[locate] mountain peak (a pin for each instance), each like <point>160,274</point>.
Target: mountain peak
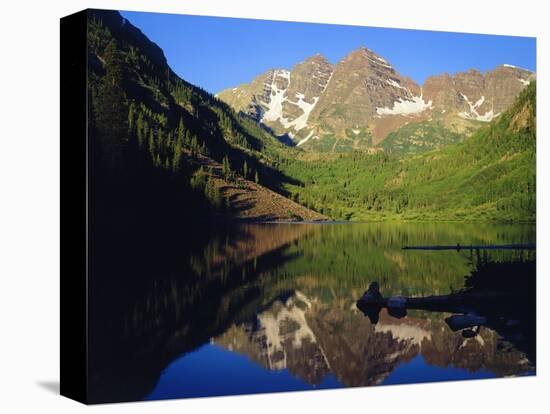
<point>364,50</point>
<point>363,93</point>
<point>364,55</point>
<point>317,57</point>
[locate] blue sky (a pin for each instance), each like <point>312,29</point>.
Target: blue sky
<point>217,53</point>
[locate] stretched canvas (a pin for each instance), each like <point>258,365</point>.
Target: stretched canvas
<point>256,206</point>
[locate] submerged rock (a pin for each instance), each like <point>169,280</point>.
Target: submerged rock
<point>372,294</point>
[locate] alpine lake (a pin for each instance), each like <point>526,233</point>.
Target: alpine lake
<point>271,307</point>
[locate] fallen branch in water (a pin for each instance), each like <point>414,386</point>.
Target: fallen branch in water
<point>461,302</point>
<point>474,247</point>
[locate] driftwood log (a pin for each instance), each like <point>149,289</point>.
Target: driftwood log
<point>474,247</point>
<point>463,302</point>
<point>373,297</point>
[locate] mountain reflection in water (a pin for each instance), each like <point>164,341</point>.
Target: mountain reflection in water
<point>271,307</point>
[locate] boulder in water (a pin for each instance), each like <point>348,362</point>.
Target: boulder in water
<point>372,294</point>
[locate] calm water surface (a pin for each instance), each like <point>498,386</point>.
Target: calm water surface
<point>272,307</point>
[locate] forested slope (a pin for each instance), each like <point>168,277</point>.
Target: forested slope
<point>489,176</point>
<point>153,131</point>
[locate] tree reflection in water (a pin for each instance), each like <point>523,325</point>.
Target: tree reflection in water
<point>284,296</point>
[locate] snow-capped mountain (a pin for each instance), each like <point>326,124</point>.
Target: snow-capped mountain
<point>477,96</point>
<point>282,99</point>
<point>363,98</point>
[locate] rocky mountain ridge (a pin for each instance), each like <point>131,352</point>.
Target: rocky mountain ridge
<point>362,99</point>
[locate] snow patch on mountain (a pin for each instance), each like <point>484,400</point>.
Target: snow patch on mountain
<point>378,61</point>
<point>414,105</point>
<point>275,106</point>
<point>278,96</point>
<point>283,74</point>
<point>395,84</point>
<point>488,116</point>
<point>479,102</point>
<point>328,80</point>
<point>473,114</point>
<point>506,65</point>
<point>306,139</point>
<point>301,122</point>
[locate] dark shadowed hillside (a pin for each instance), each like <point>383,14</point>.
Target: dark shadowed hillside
<point>166,148</point>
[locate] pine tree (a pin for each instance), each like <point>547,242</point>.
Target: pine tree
<point>226,167</point>
<point>198,180</point>
<point>145,133</point>
<point>169,142</point>
<point>256,178</point>
<point>152,145</point>
<point>131,115</point>
<point>179,143</point>
<point>194,146</point>
<point>213,194</point>
<point>245,169</point>
<point>140,130</point>
<point>181,131</point>
<point>176,159</point>
<point>160,141</point>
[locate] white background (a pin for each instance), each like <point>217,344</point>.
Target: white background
<point>29,204</point>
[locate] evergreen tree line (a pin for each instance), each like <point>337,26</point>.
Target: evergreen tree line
<point>128,129</point>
